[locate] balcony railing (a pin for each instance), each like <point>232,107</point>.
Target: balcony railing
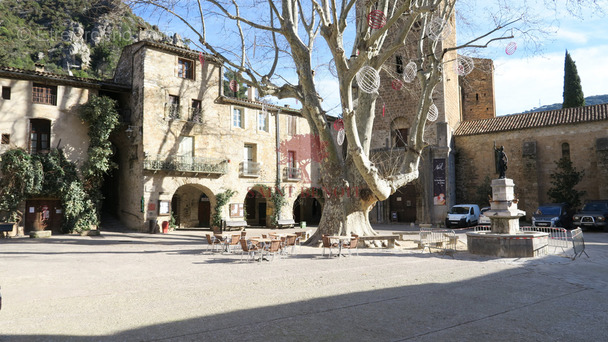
<point>173,111</point>
<point>292,174</point>
<point>249,169</point>
<point>196,115</point>
<point>186,164</point>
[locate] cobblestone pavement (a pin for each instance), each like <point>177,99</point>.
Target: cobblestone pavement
<point>148,287</point>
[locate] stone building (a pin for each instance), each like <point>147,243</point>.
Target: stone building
<point>39,111</point>
<point>533,143</point>
<point>188,142</point>
<point>181,142</point>
<point>428,198</point>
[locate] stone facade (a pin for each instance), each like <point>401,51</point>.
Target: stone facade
<point>191,143</point>
<point>40,111</point>
<point>533,149</point>
<point>477,91</point>
<point>395,110</point>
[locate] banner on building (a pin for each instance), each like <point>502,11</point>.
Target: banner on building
<point>439,181</point>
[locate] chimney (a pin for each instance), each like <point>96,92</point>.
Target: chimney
<point>39,67</point>
<point>251,94</point>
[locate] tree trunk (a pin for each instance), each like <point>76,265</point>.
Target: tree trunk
<point>344,214</point>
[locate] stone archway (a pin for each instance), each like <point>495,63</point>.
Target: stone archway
<point>256,206</point>
<point>308,208</point>
<point>191,206</point>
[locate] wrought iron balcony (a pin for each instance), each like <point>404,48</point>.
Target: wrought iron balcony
<point>249,169</point>
<point>195,115</point>
<point>186,164</point>
<point>292,174</point>
<point>173,111</point>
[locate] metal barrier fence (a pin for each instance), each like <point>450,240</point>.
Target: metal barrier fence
<point>443,239</point>
<point>558,237</point>
<point>578,243</point>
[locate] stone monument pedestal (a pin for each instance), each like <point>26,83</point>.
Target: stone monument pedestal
<point>505,240</point>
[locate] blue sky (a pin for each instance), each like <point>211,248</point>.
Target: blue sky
<point>526,79</point>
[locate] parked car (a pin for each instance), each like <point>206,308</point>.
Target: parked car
<point>593,215</point>
<point>483,219</point>
<point>552,215</point>
<point>463,215</point>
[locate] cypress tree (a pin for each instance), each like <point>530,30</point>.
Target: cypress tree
<point>573,91</point>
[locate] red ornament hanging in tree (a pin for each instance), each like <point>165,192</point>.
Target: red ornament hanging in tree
<point>201,58</point>
<point>396,84</point>
<point>234,86</point>
<point>376,19</point>
<point>338,124</point>
<point>511,47</point>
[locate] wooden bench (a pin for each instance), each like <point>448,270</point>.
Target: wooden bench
<point>285,224</point>
<point>390,239</point>
<point>235,225</point>
<point>6,228</point>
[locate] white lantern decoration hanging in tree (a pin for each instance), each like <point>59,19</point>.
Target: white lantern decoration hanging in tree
<point>340,137</point>
<point>439,29</point>
<point>464,65</point>
<point>368,79</point>
<point>433,113</point>
<point>409,72</point>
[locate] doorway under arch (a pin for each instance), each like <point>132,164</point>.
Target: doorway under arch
<point>308,209</point>
<point>191,206</point>
<point>255,207</point>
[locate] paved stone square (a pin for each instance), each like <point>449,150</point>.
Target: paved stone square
<point>149,287</point>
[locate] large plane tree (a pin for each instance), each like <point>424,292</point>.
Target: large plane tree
<point>275,46</point>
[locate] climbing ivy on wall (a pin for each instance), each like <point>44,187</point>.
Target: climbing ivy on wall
<point>221,200</point>
<point>101,115</point>
<point>52,175</point>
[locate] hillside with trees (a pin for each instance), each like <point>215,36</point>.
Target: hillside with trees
<point>79,37</point>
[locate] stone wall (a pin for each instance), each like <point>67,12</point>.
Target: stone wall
<point>477,90</point>
<point>532,155</point>
<point>214,138</point>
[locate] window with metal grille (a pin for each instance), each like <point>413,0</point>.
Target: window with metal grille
<point>44,94</point>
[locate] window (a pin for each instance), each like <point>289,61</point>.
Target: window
<point>399,64</point>
<point>401,135</point>
<point>40,135</point>
<point>6,139</point>
<point>291,125</point>
<point>185,68</point>
<point>185,152</point>
<point>173,107</point>
<point>196,111</point>
<point>566,151</point>
<point>249,166</point>
<point>238,117</point>
<point>44,94</point>
<point>263,121</point>
<point>6,93</point>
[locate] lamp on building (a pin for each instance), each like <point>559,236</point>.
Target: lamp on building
<point>131,131</point>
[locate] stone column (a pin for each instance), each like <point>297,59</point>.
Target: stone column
<point>504,214</point>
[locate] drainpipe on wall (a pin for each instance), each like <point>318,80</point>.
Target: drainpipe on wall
<point>278,145</point>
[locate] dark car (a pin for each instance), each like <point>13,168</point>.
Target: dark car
<point>593,215</point>
<point>552,215</point>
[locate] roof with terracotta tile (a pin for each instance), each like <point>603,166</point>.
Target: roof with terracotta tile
<point>514,122</point>
<point>43,76</point>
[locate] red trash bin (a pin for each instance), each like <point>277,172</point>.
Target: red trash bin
<point>165,227</point>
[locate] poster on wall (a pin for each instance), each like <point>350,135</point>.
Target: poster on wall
<point>237,210</point>
<point>164,208</point>
<point>439,181</point>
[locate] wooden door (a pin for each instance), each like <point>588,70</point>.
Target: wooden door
<point>204,212</point>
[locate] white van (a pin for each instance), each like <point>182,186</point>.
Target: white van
<point>463,215</point>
